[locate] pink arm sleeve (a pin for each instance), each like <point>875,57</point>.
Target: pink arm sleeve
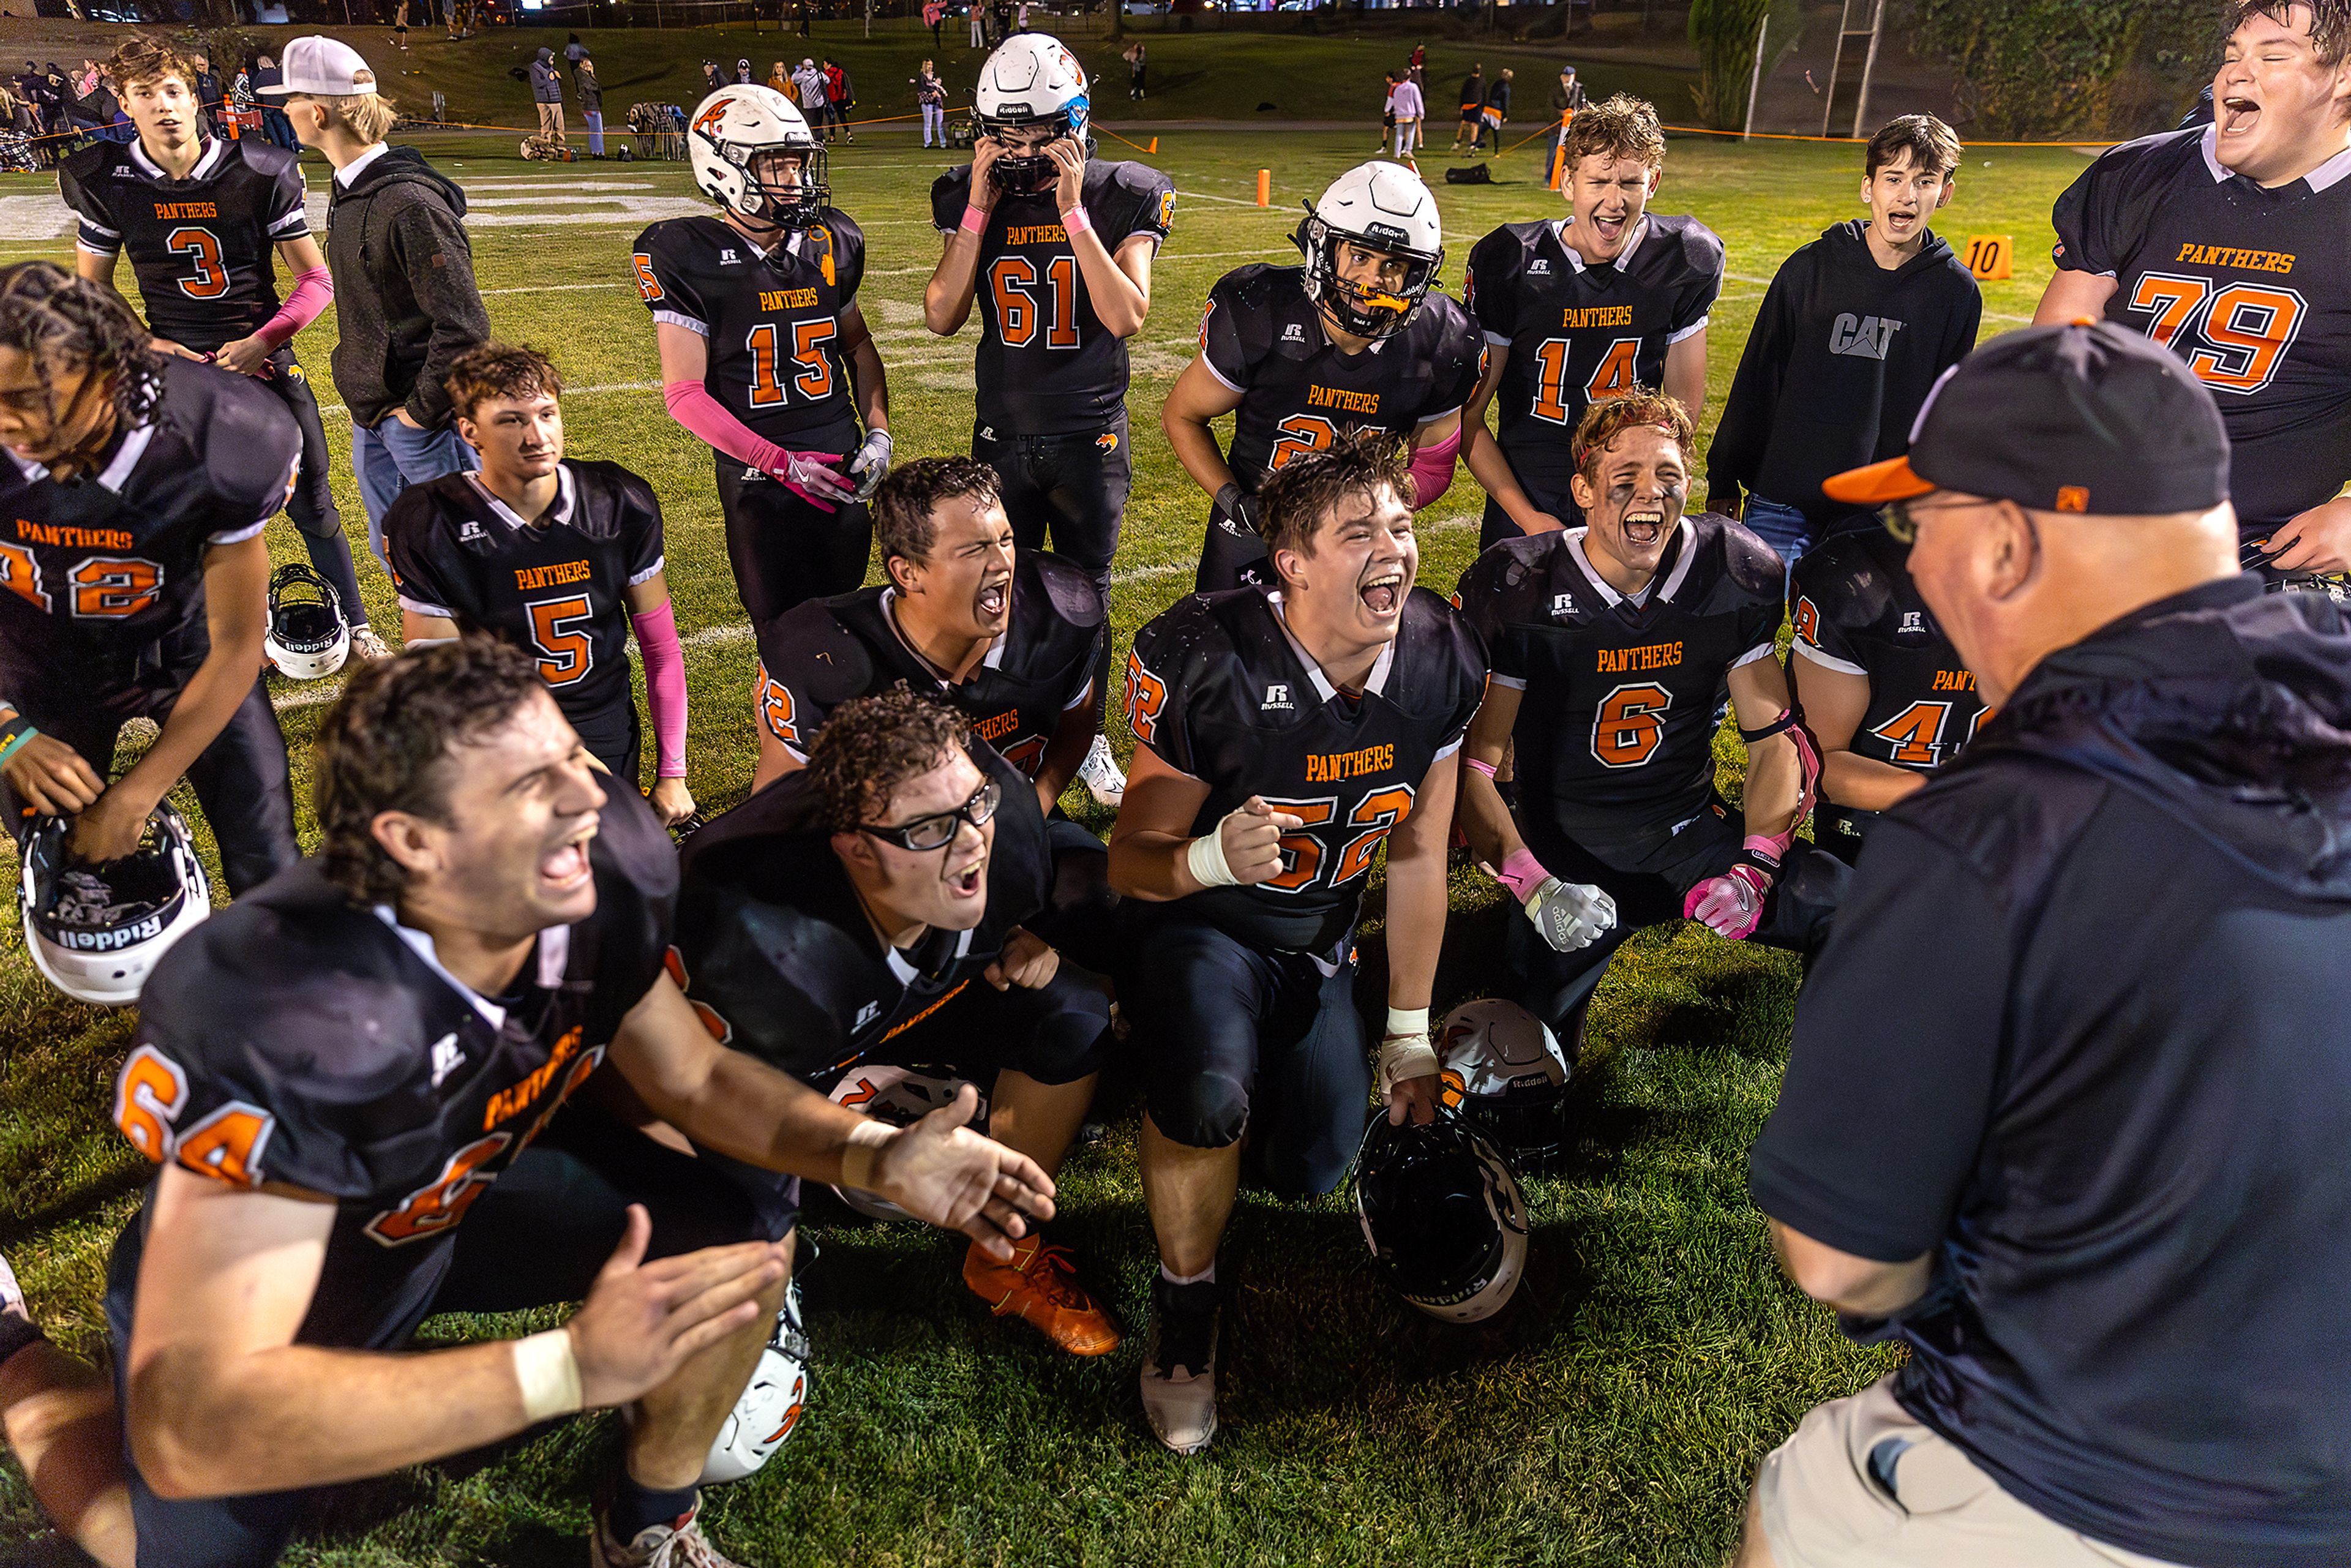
<point>313,291</point>
<point>691,405</point>
<point>664,686</point>
<point>1432,469</point>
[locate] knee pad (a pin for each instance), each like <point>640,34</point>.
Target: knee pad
<point>1206,1110</point>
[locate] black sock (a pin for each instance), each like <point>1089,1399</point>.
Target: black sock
<point>637,1508</point>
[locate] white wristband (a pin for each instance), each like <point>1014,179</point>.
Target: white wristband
<point>548,1376</point>
<point>863,1152</point>
<point>1409,1021</point>
<point>1206,857</point>
<point>1409,1057</point>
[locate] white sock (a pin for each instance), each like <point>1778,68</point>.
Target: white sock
<point>1206,1276</point>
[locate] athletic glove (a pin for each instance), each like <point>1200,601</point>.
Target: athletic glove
<point>1241,507</point>
<point>1731,904</point>
<point>871,464</point>
<point>1570,914</point>
<point>814,477</point>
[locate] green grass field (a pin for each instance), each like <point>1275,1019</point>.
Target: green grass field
<point>1611,1417</point>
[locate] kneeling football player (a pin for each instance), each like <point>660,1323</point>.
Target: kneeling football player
<point>58,1417</point>
<point>561,558</point>
<point>1883,691</point>
<point>1353,338</point>
<point>355,1082</point>
<point>1010,636</point>
<point>1612,646</point>
<point>1281,736</point>
<point>137,580</point>
<point>867,911</point>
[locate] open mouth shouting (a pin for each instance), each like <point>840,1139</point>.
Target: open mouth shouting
<point>1644,528</point>
<point>1901,222</point>
<point>993,602</point>
<point>564,871</point>
<point>2239,114</point>
<point>1383,591</point>
<point>1609,229</point>
<point>967,880</point>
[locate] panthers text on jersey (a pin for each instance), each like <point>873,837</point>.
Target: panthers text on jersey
<point>1047,364</point>
<point>1618,700</point>
<point>1856,611</point>
<point>1222,691</point>
<point>558,590</point>
<point>201,248</point>
<point>1264,339</point>
<point>297,1039</point>
<point>777,954</point>
<point>772,323</point>
<point>1578,333</point>
<point>99,570</point>
<point>2251,287</point>
<point>825,652</point>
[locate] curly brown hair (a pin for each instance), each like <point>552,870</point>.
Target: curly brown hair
<point>385,747</point>
<point>65,323</point>
<point>873,745</point>
<point>138,61</point>
<point>904,505</point>
<point>2330,21</point>
<point>1619,127</point>
<point>1301,493</point>
<point>1610,417</point>
<point>497,369</point>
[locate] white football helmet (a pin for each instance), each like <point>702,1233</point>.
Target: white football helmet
<point>96,931</point>
<point>308,636</point>
<point>729,134</point>
<point>771,1403</point>
<point>900,1096</point>
<point>1380,206</point>
<point>1502,1068</point>
<point>1031,79</point>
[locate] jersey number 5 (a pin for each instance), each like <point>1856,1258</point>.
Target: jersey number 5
<point>1613,375</point>
<point>1012,282</point>
<point>565,655</point>
<point>1302,853</point>
<point>2233,338</point>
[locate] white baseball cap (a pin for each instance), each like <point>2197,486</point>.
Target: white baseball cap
<point>320,66</point>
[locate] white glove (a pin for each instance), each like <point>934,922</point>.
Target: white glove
<point>814,477</point>
<point>1570,914</point>
<point>871,464</point>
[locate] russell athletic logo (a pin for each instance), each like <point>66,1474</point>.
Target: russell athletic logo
<point>1277,696</point>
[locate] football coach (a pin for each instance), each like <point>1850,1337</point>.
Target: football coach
<point>2069,1099</point>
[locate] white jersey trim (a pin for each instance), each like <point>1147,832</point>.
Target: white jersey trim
<point>679,319</point>
<point>1828,661</point>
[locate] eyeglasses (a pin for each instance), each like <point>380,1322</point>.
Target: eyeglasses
<point>1900,518</point>
<point>936,832</point>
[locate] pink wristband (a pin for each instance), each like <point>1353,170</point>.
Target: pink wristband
<point>1075,222</point>
<point>1522,873</point>
<point>973,221</point>
<point>1488,768</point>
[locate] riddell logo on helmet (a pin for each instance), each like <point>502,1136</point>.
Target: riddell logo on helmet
<point>107,941</point>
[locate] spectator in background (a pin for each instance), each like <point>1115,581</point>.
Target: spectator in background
<point>977,18</point>
<point>1567,99</point>
<point>1473,108</point>
<point>274,126</point>
<point>935,13</point>
<point>838,97</point>
<point>1020,17</point>
<point>546,92</point>
<point>810,82</point>
<point>1137,60</point>
<point>742,73</point>
<point>1852,334</point>
<point>399,25</point>
<point>243,104</point>
<point>800,9</point>
<point>1404,101</point>
<point>779,78</point>
<point>1387,116</point>
<point>591,103</point>
<point>1498,109</point>
<point>1000,14</point>
<point>712,80</point>
<point>931,94</point>
<point>574,51</point>
<point>208,92</point>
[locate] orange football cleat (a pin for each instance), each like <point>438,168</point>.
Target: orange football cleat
<point>1040,1287</point>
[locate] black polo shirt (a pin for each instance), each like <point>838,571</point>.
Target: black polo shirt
<point>2081,1034</point>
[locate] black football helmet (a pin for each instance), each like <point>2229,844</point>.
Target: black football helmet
<point>1444,1216</point>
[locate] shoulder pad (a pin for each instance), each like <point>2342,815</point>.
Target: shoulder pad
<point>91,162</point>
<point>1514,569</point>
<point>249,442</point>
<point>846,235</point>
<point>950,193</point>
<point>1701,247</point>
<point>643,855</point>
<point>1140,178</point>
<point>1747,560</point>
<point>1247,286</point>
<point>263,158</point>
<point>1448,658</point>
<point>809,647</point>
<point>1844,579</point>
<point>606,491</point>
<point>1069,590</point>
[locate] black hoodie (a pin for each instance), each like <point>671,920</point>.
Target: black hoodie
<point>1843,355</point>
<point>405,304</point>
<point>2079,1036</point>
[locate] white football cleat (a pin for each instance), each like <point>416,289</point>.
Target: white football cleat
<point>1102,776</point>
<point>1179,1369</point>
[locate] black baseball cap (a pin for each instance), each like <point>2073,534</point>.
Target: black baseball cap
<point>2090,417</point>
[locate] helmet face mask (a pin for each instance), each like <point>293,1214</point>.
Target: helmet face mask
<point>734,141</point>
<point>1377,207</point>
<point>1444,1216</point>
<point>308,636</point>
<point>1033,86</point>
<point>96,932</point>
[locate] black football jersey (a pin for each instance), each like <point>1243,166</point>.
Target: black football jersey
<point>298,1040</point>
<point>1579,333</point>
<point>1219,689</point>
<point>1264,338</point>
<point>1047,364</point>
<point>104,567</point>
<point>1618,702</point>
<point>777,954</point>
<point>825,652</point>
<point>772,323</point>
<point>201,248</point>
<point>2252,288</point>
<point>558,590</point>
<point>1856,609</point>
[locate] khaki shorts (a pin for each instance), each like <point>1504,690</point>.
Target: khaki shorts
<point>1823,1505</point>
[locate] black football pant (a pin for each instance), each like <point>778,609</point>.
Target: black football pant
<point>1071,488</point>
<point>241,779</point>
<point>1557,986</point>
<point>613,737</point>
<point>312,503</point>
<point>784,549</point>
<point>1549,493</point>
<point>537,1238</point>
<point>1081,916</point>
<point>1238,1040</point>
<point>1840,830</point>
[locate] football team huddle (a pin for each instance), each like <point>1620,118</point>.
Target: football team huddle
<point>898,968</point>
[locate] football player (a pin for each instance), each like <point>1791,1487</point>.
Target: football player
<point>1612,646</point>
<point>559,558</point>
<point>2223,242</point>
<point>1281,736</point>
<point>58,1416</point>
<point>765,353</point>
<point>355,1083</point>
<point>1885,695</point>
<point>1580,309</point>
<point>200,218</point>
<point>839,919</point>
<point>1012,637</point>
<point>1056,247</point>
<point>137,487</point>
<point>1351,339</point>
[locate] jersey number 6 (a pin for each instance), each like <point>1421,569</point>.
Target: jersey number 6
<point>1630,724</point>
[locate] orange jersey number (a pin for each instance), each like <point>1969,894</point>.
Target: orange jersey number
<point>565,655</point>
<point>210,279</point>
<point>1630,724</point>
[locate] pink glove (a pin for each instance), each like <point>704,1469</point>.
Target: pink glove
<point>1731,904</point>
<point>804,474</point>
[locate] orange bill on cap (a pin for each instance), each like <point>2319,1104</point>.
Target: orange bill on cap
<point>1892,480</point>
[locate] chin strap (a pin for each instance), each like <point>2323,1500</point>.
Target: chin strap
<point>1808,759</point>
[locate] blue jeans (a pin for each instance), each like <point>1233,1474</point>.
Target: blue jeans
<point>1783,528</point>
<point>390,458</point>
<point>935,123</point>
